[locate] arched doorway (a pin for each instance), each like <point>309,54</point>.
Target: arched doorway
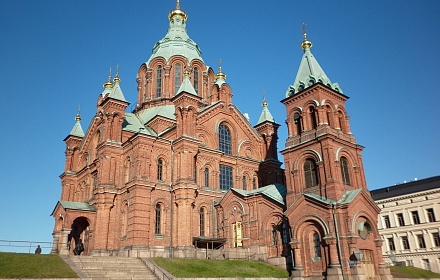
<point>79,232</point>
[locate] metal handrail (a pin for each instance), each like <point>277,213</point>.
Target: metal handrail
<point>24,244</point>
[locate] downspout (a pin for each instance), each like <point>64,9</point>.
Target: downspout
<point>338,241</point>
<point>171,200</point>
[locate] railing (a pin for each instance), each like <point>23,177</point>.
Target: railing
<point>24,246</point>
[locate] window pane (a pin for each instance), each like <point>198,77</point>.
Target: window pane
<point>310,173</point>
<point>177,77</point>
<point>224,139</point>
<point>344,171</point>
<point>159,81</point>
<point>225,177</point>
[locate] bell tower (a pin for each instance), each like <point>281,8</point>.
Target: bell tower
<point>321,154</point>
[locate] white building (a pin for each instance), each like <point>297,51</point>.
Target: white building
<point>409,223</point>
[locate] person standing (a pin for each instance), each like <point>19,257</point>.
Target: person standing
<point>38,250</point>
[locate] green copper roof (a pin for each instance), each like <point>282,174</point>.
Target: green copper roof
<point>309,73</point>
<point>116,91</point>
<point>166,111</point>
<point>275,191</point>
<point>265,115</point>
<point>77,206</point>
<point>133,124</point>
<point>186,86</point>
<point>346,198</point>
<point>176,41</point>
<point>77,129</point>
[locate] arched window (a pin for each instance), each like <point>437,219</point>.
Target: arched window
<point>285,233</point>
<point>254,183</point>
<point>243,180</point>
<point>344,171</point>
<point>297,122</point>
<point>313,120</point>
<point>274,236</point>
<point>225,177</point>
<point>127,167</point>
<point>195,169</point>
<point>329,113</point>
<point>317,245</point>
<point>177,77</point>
<point>341,121</point>
<point>206,177</point>
<point>196,79</point>
<point>202,221</point>
<point>224,135</point>
<point>310,173</point>
<point>160,170</point>
<point>159,81</point>
<point>157,228</point>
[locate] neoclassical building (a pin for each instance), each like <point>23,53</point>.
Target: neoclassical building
<point>187,175</point>
<point>410,223</point>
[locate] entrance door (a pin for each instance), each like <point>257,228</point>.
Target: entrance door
<point>367,264</point>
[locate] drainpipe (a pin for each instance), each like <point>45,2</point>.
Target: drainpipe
<point>172,201</point>
<point>338,241</point>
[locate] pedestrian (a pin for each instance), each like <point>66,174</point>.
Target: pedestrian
<point>38,250</point>
<point>79,247</point>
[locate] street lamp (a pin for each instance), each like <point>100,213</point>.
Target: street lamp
<point>358,255</point>
<point>393,258</point>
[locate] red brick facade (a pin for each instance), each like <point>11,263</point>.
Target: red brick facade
<point>157,182</point>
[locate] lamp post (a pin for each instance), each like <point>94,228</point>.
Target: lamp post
<point>393,258</point>
<point>358,255</point>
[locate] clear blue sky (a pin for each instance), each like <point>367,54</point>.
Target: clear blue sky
<point>55,56</point>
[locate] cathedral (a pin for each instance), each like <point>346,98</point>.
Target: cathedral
<point>186,175</point>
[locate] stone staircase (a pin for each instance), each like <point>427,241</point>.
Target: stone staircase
<point>117,268</point>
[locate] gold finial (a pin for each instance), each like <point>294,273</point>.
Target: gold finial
<point>108,83</point>
<point>220,74</point>
<point>78,116</point>
<point>306,44</point>
<point>264,99</point>
<point>177,12</point>
<point>116,79</point>
<point>186,73</point>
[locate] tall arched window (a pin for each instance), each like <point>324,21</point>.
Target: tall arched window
<point>329,113</point>
<point>159,81</point>
<point>313,119</point>
<point>317,245</point>
<point>344,171</point>
<point>274,236</point>
<point>297,122</point>
<point>254,183</point>
<point>157,227</point>
<point>310,173</point>
<point>207,177</point>
<point>244,182</point>
<point>202,221</point>
<point>341,121</point>
<point>224,135</point>
<point>177,77</point>
<point>196,79</point>
<point>127,167</point>
<point>160,170</point>
<point>285,233</point>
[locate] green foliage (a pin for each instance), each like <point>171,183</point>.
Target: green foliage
<point>14,265</point>
<point>411,272</point>
<point>187,268</point>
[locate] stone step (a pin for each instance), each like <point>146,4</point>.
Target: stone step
<point>117,268</point>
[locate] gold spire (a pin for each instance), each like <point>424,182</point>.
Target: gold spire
<point>108,83</point>
<point>220,74</point>
<point>264,104</point>
<point>116,79</point>
<point>177,12</point>
<point>78,116</point>
<point>306,44</point>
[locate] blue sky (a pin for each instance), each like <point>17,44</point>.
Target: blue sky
<point>55,56</point>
